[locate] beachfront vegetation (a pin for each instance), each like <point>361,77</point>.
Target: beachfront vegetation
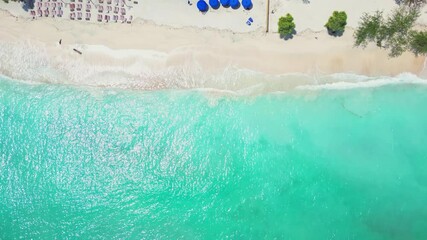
<point>418,43</point>
<point>336,23</point>
<point>286,26</point>
<point>392,33</point>
<point>370,30</point>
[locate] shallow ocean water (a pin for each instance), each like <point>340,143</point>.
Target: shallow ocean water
<point>184,164</point>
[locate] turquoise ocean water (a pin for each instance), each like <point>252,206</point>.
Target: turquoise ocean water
<point>179,164</point>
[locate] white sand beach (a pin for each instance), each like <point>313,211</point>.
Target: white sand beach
<point>169,36</point>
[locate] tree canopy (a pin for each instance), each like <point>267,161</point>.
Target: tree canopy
<point>286,25</point>
<point>392,33</point>
<point>336,23</point>
<point>418,43</point>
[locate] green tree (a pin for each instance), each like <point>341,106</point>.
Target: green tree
<point>397,29</point>
<point>336,23</point>
<point>286,25</point>
<point>418,43</point>
<point>370,29</point>
<point>391,33</point>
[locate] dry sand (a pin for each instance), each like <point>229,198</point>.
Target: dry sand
<point>216,46</point>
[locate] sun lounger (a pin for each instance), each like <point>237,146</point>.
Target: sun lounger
<point>53,13</point>
<point>72,16</point>
<point>99,17</point>
<point>79,16</point>
<point>108,1</point>
<point>79,7</point>
<point>72,6</point>
<point>123,11</point>
<point>115,18</point>
<point>116,10</point>
<point>87,16</point>
<point>46,13</point>
<point>109,9</point>
<point>88,7</point>
<point>100,9</point>
<point>130,19</point>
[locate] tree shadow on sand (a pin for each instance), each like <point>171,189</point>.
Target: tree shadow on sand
<point>288,36</point>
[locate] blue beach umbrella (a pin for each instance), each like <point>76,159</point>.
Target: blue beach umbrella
<point>214,4</point>
<point>225,3</point>
<point>202,6</point>
<point>247,4</point>
<point>234,4</point>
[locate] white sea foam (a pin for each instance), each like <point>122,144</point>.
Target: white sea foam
<point>366,82</point>
<point>100,66</point>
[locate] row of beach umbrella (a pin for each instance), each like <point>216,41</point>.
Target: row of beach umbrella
<point>215,4</point>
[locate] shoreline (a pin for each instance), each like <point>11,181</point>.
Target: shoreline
<point>169,52</point>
